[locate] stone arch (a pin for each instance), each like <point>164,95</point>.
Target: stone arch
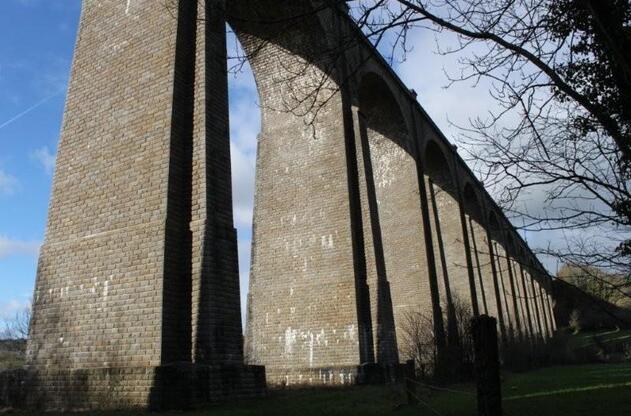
<point>290,50</point>
<point>371,72</point>
<point>391,213</point>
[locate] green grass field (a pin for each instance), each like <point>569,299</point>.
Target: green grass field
<point>593,390</point>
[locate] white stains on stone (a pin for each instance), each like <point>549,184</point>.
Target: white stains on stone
<point>116,48</point>
<point>327,241</point>
<point>290,340</point>
<point>61,340</point>
<point>106,290</point>
<point>310,350</point>
<point>350,333</point>
<point>128,7</point>
<point>387,158</point>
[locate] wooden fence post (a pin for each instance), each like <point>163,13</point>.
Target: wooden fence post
<point>410,378</point>
<point>487,366</point>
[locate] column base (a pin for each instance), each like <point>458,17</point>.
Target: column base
<point>335,376</point>
<point>179,386</point>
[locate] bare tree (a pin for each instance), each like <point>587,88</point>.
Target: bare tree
<point>17,327</point>
<point>417,340</point>
<point>560,72</point>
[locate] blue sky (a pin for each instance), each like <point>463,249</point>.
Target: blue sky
<point>36,44</point>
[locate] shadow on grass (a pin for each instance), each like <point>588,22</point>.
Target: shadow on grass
<point>586,390</point>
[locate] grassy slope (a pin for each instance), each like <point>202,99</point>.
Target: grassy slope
<point>602,389</point>
<point>578,391</point>
<point>586,339</point>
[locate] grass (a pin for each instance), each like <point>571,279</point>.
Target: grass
<point>602,389</point>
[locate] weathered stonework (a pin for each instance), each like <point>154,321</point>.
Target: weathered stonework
<point>356,226</point>
<point>364,214</point>
<point>137,295</point>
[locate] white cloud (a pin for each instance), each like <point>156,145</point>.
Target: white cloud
<point>8,183</point>
<point>242,186</point>
<point>46,158</point>
<point>10,247</point>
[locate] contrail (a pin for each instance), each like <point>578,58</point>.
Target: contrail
<point>28,110</point>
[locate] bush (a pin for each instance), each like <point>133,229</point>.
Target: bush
<point>575,321</point>
<point>418,342</point>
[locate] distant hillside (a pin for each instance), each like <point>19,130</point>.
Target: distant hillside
<point>12,353</point>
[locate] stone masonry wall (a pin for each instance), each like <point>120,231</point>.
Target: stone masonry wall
<point>303,313</point>
<point>99,295</point>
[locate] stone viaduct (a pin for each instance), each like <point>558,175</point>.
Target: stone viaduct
<point>364,212</point>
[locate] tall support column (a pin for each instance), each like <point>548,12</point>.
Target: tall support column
<point>113,285</point>
<point>310,314</point>
<point>129,301</point>
<point>478,266</point>
<point>544,312</point>
<point>515,297</point>
<point>465,236</point>
<point>549,301</point>
<point>535,302</point>
<point>384,334</point>
<point>453,337</point>
<point>526,298</point>
<point>439,327</point>
<point>496,287</point>
<point>216,315</point>
<point>544,302</point>
<point>504,289</point>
